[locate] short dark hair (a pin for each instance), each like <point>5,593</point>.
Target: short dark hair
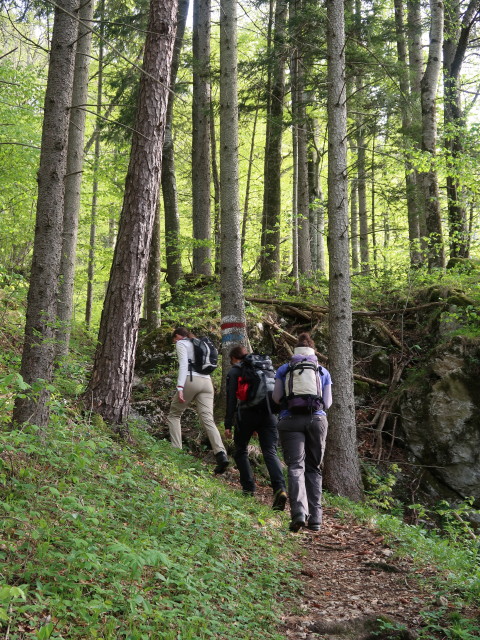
<point>182,331</point>
<point>238,352</point>
<point>305,340</point>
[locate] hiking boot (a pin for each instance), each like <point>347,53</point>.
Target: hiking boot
<point>222,462</point>
<point>279,500</point>
<point>314,526</point>
<point>297,523</point>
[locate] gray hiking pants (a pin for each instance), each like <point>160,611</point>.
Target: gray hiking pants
<point>303,443</point>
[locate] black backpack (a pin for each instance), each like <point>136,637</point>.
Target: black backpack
<point>205,356</point>
<point>256,380</point>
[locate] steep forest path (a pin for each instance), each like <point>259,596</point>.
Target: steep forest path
<point>351,577</point>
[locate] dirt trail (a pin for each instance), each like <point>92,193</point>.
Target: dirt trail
<point>350,578</point>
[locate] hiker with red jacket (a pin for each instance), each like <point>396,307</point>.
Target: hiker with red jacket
<point>303,389</point>
<point>247,415</point>
<point>194,387</point>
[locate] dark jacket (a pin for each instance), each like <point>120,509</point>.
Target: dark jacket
<point>234,409</point>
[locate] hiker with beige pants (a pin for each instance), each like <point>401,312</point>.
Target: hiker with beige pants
<point>194,387</point>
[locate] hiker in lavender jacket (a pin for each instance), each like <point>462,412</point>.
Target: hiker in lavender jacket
<point>302,434</point>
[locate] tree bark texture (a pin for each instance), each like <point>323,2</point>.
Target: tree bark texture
<point>342,468</point>
<point>73,180</point>
<point>303,205</point>
<point>354,230</point>
<point>232,301</point>
<point>317,216</point>
<point>270,264</point>
<point>362,190</point>
<point>109,389</point>
<point>39,344</point>
<point>173,255</point>
<point>96,164</point>
<point>202,258</point>
<point>152,309</point>
<point>457,35</point>
<point>406,112</point>
<point>429,178</point>
<point>415,65</point>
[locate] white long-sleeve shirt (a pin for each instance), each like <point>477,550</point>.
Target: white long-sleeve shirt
<point>185,353</point>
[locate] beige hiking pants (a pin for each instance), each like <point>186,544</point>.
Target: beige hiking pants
<point>200,391</point>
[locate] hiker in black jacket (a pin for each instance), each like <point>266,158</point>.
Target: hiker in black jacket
<point>246,420</point>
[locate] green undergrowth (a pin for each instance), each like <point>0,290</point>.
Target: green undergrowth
<point>100,539</point>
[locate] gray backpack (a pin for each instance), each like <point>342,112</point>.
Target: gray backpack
<point>303,385</point>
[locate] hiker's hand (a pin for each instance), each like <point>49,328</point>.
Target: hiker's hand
<point>180,395</point>
<point>228,433</point>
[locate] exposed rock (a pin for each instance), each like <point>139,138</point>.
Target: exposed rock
<point>363,628</point>
<point>440,414</point>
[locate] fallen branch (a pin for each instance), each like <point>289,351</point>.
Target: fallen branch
<point>322,310</point>
<point>287,337</point>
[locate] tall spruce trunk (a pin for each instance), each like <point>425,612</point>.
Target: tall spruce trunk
<point>429,178</point>
<point>40,327</point>
<point>152,307</point>
<point>270,264</point>
<point>406,113</point>
<point>303,204</point>
<point>96,166</point>
<point>73,181</point>
<point>173,256</point>
<point>415,66</point>
<point>232,301</point>
<point>108,391</point>
<point>317,215</point>
<point>342,468</point>
<point>201,210</point>
<point>457,36</point>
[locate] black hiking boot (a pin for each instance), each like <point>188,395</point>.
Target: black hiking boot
<point>297,523</point>
<point>279,500</point>
<point>222,463</point>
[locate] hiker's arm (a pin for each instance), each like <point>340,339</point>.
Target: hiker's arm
<point>278,391</point>
<point>327,396</point>
<point>182,356</point>
<point>231,387</point>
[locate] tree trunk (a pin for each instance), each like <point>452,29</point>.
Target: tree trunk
<point>96,164</point>
<point>152,288</point>
<point>295,270</point>
<point>108,391</point>
<point>270,265</point>
<point>406,112</point>
<point>354,230</point>
<point>216,188</point>
<point>342,468</point>
<point>232,301</point>
<point>304,257</point>
<point>454,48</point>
<point>73,181</point>
<point>202,263</point>
<point>362,191</point>
<point>415,65</point>
<point>317,217</point>
<point>173,254</point>
<point>39,346</point>
<point>429,178</point>
<point>246,203</point>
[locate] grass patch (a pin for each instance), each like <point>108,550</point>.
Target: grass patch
<point>105,540</point>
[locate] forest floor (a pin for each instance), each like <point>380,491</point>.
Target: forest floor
<point>351,578</point>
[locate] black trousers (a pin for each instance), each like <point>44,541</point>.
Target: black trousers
<point>265,424</point>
